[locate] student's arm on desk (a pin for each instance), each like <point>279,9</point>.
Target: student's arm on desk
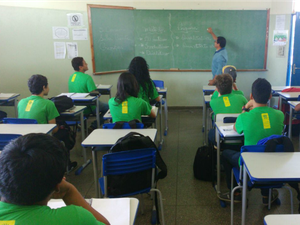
<point>157,99</point>
<point>152,114</point>
<point>71,196</point>
<point>53,121</point>
<point>297,107</point>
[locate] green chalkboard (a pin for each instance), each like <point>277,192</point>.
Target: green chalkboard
<point>177,39</point>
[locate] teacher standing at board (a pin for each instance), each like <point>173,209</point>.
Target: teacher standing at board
<point>220,57</point>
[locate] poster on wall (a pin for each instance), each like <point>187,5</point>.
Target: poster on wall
<point>79,34</point>
<point>280,37</point>
<point>60,32</point>
<point>75,19</point>
<point>59,50</point>
<point>72,48</point>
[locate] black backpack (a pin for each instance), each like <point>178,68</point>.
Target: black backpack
<point>203,163</point>
<point>62,103</point>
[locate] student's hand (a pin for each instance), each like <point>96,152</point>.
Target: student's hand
<point>234,87</point>
<point>248,106</point>
<point>209,30</point>
<point>297,107</point>
<point>212,82</point>
<point>62,189</point>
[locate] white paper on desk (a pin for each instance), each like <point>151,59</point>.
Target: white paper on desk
<point>79,95</point>
<point>116,211</point>
<point>56,203</point>
<point>72,48</point>
<point>6,95</point>
<point>67,94</point>
<point>59,50</point>
<point>228,131</point>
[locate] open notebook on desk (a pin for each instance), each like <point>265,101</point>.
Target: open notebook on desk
<point>75,95</point>
<point>116,211</point>
<point>107,115</point>
<point>228,131</point>
<point>6,95</point>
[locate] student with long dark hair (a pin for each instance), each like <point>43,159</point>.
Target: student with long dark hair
<point>139,68</point>
<point>126,106</point>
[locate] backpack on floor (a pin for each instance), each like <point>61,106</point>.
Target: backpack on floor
<point>203,163</point>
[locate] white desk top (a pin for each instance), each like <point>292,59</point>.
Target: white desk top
<point>8,96</point>
<point>226,130</point>
<point>107,115</point>
<point>209,88</point>
<point>23,129</point>
<point>294,103</point>
<point>290,219</point>
<point>75,98</point>
<point>134,203</point>
<point>104,86</point>
<point>108,137</point>
<point>162,90</point>
<point>272,166</point>
<point>207,98</point>
<point>288,95</point>
<point>73,111</point>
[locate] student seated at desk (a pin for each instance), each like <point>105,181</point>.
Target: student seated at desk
<point>139,68</point>
<point>226,102</point>
<point>126,106</point>
<point>79,82</point>
<point>40,109</point>
<point>231,70</point>
<point>31,173</point>
<point>260,122</point>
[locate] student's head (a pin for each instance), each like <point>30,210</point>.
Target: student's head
<point>31,167</point>
<point>261,91</point>
<point>127,86</point>
<point>79,64</point>
<point>38,83</point>
<point>139,68</point>
<point>224,84</point>
<point>231,70</point>
<point>221,41</point>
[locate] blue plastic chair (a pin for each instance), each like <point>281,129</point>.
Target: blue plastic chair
<point>125,126</point>
<point>237,175</point>
<point>160,84</point>
<point>6,138</point>
<point>132,161</point>
<point>19,121</point>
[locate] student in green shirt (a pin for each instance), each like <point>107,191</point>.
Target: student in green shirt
<point>40,109</point>
<point>260,122</point>
<point>126,106</point>
<point>226,102</point>
<point>139,68</point>
<point>79,82</point>
<point>31,173</point>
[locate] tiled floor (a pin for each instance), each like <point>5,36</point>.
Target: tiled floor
<point>187,201</point>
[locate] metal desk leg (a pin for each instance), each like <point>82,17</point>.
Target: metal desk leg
<point>16,108</point>
<point>290,122</point>
<point>218,161</point>
<point>160,128</point>
<point>97,113</point>
<point>244,197</point>
<point>166,117</point>
<point>204,119</point>
<point>95,168</point>
<point>280,102</point>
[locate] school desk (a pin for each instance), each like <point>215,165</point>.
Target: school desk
<point>268,167</point>
<point>72,114</point>
<point>281,219</point>
<point>9,99</point>
<point>86,100</point>
<point>110,208</point>
<point>104,89</point>
<point>107,138</point>
<point>24,129</point>
<point>163,92</point>
<point>224,131</point>
<point>287,96</point>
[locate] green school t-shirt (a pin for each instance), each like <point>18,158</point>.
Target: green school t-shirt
<point>216,93</point>
<point>230,103</point>
<point>81,83</point>
<point>259,123</point>
<point>11,214</point>
<point>132,108</point>
<point>38,108</point>
<point>148,96</point>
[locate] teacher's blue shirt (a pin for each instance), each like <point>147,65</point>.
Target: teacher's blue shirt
<point>219,60</point>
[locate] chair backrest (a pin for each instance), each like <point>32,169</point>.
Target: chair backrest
<point>125,126</point>
<point>227,117</point>
<point>19,121</point>
<point>259,148</point>
<point>159,83</point>
<point>6,138</point>
<point>128,162</point>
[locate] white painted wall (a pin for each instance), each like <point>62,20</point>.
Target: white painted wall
<point>27,47</point>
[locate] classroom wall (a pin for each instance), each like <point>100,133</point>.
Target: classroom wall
<point>27,47</point>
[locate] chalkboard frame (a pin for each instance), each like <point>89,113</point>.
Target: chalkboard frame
<point>166,70</point>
